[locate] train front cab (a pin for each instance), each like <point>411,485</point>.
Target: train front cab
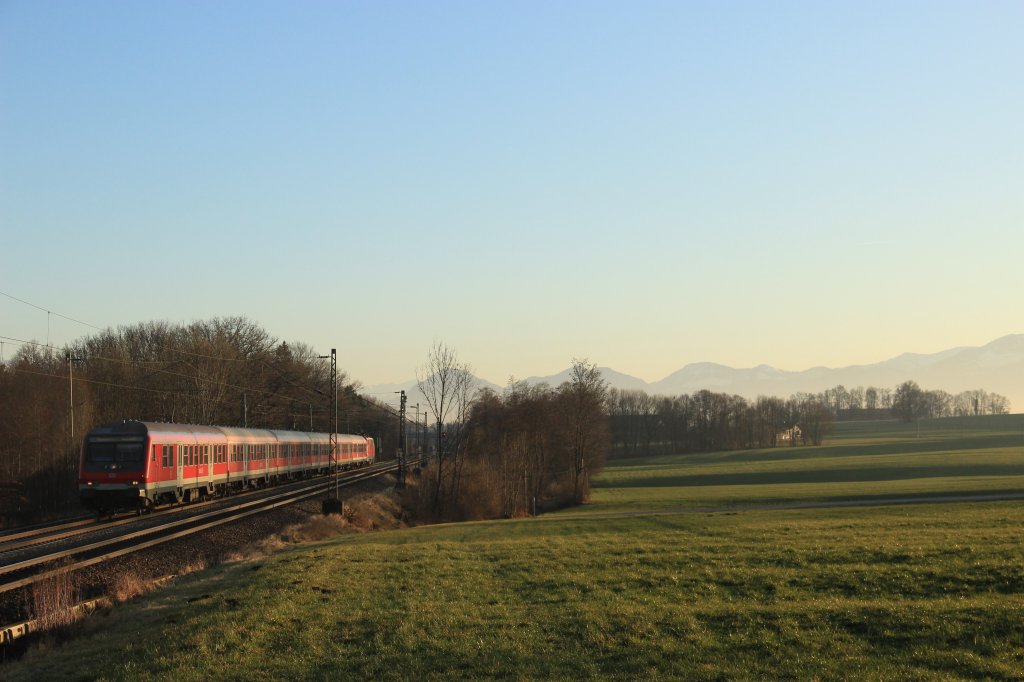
<point>112,467</point>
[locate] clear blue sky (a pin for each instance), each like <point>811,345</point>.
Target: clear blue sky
<point>644,184</point>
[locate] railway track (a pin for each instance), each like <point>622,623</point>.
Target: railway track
<point>33,555</point>
<point>52,532</point>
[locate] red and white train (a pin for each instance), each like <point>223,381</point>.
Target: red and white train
<point>136,465</point>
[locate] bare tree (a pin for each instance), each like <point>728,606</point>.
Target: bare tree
<point>446,385</point>
<point>584,397</point>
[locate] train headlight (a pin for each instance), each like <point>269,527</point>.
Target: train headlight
<point>89,483</point>
<point>135,482</point>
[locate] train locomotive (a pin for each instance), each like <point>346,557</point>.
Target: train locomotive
<point>138,465</point>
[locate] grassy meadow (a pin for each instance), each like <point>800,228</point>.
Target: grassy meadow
<point>922,591</point>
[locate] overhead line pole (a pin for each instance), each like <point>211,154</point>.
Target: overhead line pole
<point>334,433</point>
<point>400,483</point>
<point>334,505</point>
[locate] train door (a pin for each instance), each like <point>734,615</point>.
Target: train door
<point>179,467</point>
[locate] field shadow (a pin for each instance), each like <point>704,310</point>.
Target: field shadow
<point>930,445</point>
<point>819,476</point>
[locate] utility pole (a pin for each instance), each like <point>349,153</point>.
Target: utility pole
<point>401,443</point>
<point>415,428</point>
<point>245,412</point>
<point>71,394</point>
<point>423,441</point>
<point>334,433</point>
<point>332,505</point>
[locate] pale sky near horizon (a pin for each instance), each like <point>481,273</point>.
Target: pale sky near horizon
<point>643,184</point>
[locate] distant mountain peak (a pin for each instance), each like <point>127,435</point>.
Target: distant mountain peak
<point>998,366</point>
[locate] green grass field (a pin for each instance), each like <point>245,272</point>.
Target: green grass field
<point>922,591</point>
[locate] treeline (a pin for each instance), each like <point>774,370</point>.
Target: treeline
<point>873,401</point>
<point>706,421</point>
<point>911,402</point>
<point>225,371</point>
<point>530,448</point>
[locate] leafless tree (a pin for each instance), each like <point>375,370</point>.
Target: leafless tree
<point>446,385</point>
<point>583,398</point>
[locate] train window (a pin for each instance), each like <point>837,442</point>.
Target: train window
<point>115,449</point>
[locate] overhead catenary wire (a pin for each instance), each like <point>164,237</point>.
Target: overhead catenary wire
<point>49,312</point>
<point>365,407</point>
<point>312,391</point>
<point>210,382</point>
<point>103,329</point>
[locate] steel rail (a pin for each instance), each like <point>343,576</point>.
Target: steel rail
<point>227,516</point>
<point>38,535</point>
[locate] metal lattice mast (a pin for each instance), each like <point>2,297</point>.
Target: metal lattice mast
<point>334,431</point>
<point>401,443</point>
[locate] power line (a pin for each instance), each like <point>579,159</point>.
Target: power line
<point>92,326</point>
<point>208,382</point>
<point>49,312</point>
<point>366,404</point>
<point>268,348</point>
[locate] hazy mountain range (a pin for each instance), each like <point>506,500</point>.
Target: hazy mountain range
<point>996,367</point>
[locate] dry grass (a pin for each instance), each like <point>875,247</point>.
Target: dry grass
<point>53,602</point>
<point>364,512</point>
<point>126,585</point>
<point>375,511</point>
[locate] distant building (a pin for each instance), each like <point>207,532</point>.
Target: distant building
<point>789,436</point>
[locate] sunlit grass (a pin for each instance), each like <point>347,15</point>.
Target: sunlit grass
<point>968,456</point>
<point>893,592</point>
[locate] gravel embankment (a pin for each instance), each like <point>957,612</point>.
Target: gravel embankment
<point>122,575</point>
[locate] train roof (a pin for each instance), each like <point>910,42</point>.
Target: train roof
<point>131,427</point>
